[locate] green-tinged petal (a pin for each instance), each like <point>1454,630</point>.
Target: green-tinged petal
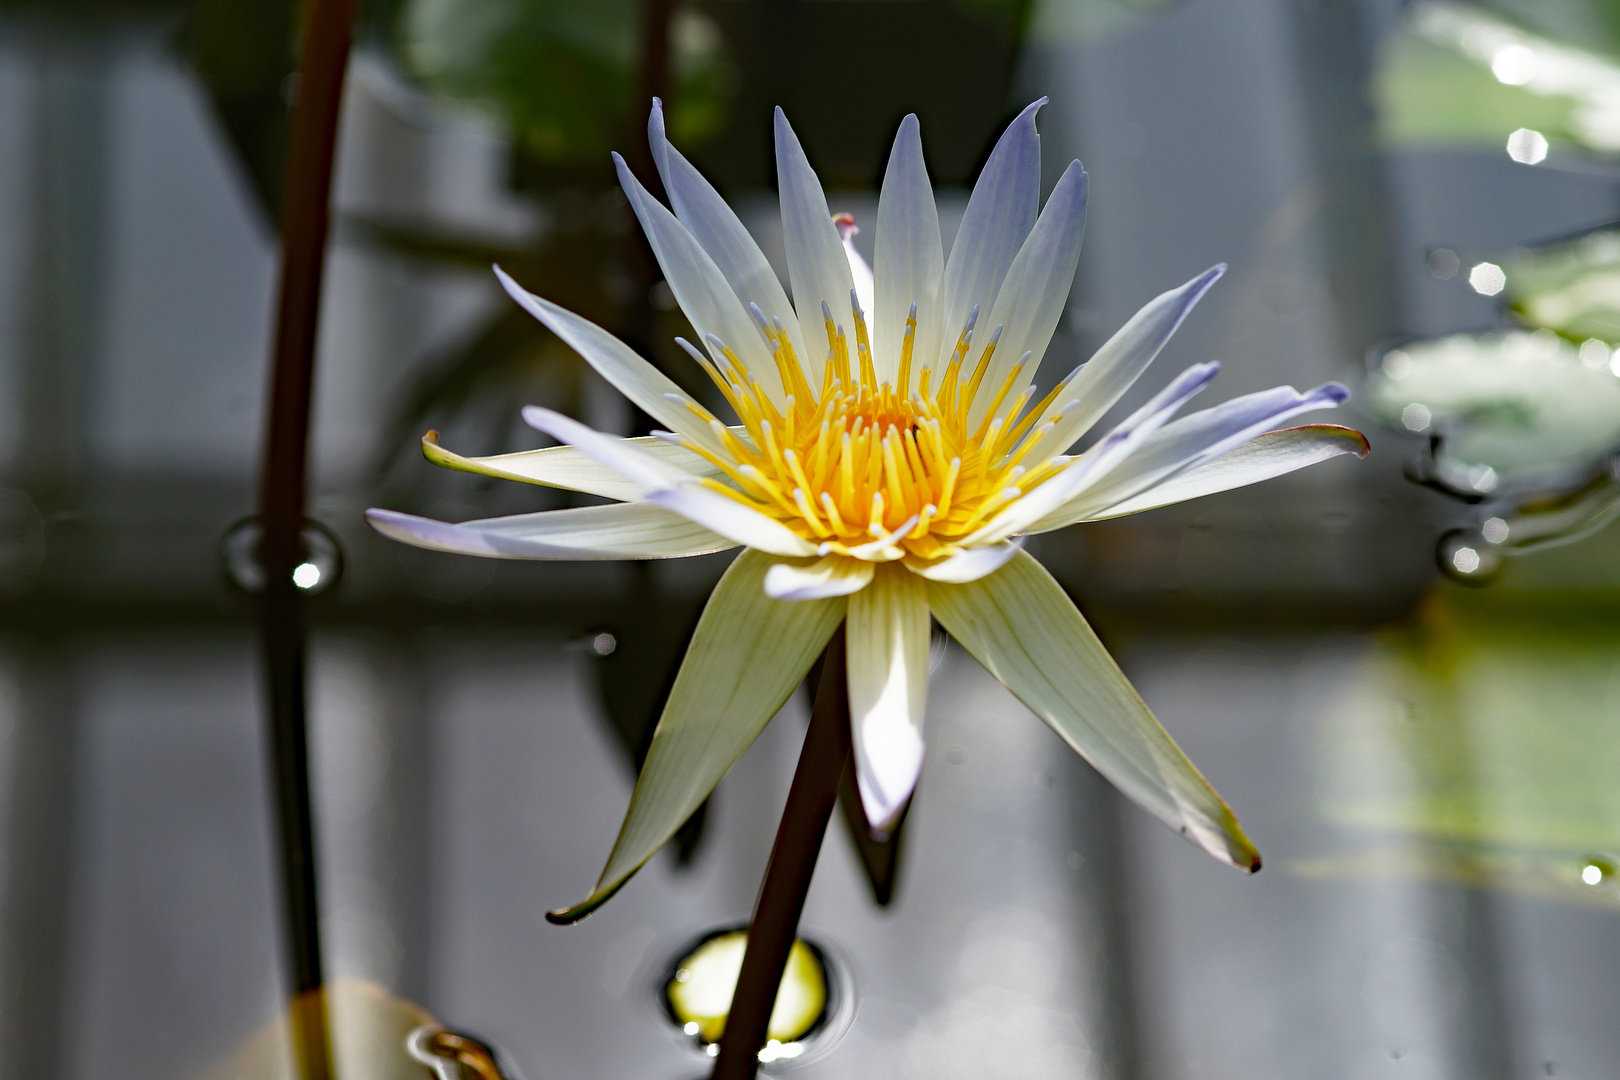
<point>887,653</point>
<point>1026,631</point>
<point>1273,454</point>
<point>748,654</point>
<point>567,467</point>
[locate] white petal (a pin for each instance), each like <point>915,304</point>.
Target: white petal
<point>887,649</point>
<point>748,654</point>
<point>1190,442</point>
<point>728,517</point>
<point>647,472</point>
<point>700,288</point>
<point>860,274</point>
<point>1025,630</point>
<point>621,531</point>
<point>831,575</point>
<point>818,270</point>
<point>1115,367</point>
<point>1270,455</point>
<point>664,485</point>
<point>908,258</point>
<point>568,467</point>
<point>1032,298</point>
<point>717,227</point>
<point>1097,462</point>
<point>646,386</point>
<point>999,214</point>
<point>970,564</point>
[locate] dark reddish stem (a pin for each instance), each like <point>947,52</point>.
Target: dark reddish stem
<point>787,878</point>
<point>304,219</point>
<point>306,193</point>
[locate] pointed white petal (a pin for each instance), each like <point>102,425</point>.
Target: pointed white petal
<point>647,472</point>
<point>908,258</point>
<point>1032,298</point>
<point>728,517</point>
<point>1192,441</point>
<point>887,649</point>
<point>1091,466</point>
<point>568,467</point>
<point>968,565</point>
<point>646,386</point>
<point>1021,626</point>
<point>1270,455</point>
<point>717,227</point>
<point>748,654</point>
<point>999,214</point>
<point>1115,367</point>
<point>621,531</point>
<point>860,273</point>
<point>831,575</point>
<point>664,485</point>
<point>818,270</point>
<point>699,286</point>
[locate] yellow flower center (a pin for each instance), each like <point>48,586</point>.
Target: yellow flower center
<point>875,470</point>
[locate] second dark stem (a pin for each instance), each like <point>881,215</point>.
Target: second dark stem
<point>787,877</point>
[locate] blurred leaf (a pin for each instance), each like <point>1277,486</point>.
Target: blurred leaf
<point>1489,720</point>
<point>1572,287</point>
<point>1461,75</point>
<point>1545,876</point>
<point>1510,402</point>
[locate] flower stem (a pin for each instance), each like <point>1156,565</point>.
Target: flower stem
<point>787,877</point>
<point>305,210</point>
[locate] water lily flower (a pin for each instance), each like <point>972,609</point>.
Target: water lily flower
<point>890,450</point>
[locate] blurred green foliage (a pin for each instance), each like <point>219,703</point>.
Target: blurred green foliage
<point>1481,736</point>
<point>564,74</point>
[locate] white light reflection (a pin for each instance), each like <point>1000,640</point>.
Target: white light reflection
<point>1487,278</point>
<point>1416,417</point>
<point>1397,364</point>
<point>1527,146</point>
<point>1465,559</point>
<point>1594,354</point>
<point>306,575</point>
<point>1592,874</point>
<point>1514,65</point>
<point>1495,530</point>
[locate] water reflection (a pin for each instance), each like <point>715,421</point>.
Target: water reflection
<point>1483,734</point>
